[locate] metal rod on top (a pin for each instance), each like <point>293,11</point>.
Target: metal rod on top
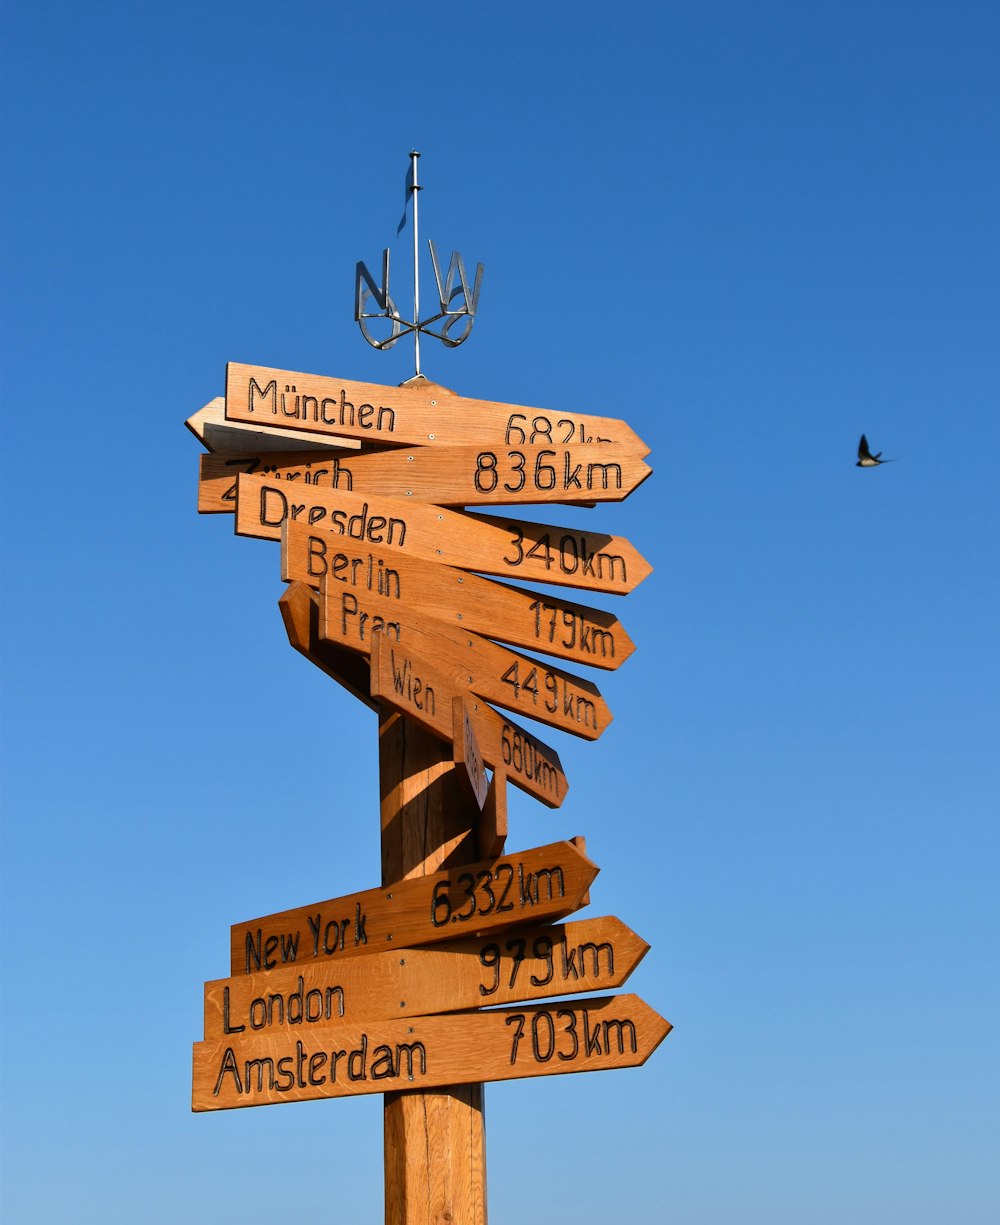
<point>415,189</point>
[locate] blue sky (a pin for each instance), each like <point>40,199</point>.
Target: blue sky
<point>752,231</point>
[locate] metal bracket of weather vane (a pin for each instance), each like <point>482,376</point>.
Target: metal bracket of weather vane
<point>366,290</point>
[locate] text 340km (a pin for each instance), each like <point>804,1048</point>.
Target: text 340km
<point>505,887</point>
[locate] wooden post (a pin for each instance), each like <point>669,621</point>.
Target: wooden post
<point>435,1140</point>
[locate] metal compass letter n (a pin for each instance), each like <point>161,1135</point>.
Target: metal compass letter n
<point>364,289</point>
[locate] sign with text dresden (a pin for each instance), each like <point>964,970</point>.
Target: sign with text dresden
<point>509,548</point>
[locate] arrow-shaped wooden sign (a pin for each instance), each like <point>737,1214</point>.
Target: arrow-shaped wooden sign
<point>419,413</point>
<point>525,963</point>
<point>215,433</point>
<point>470,476</point>
<point>344,1060</point>
<point>544,883</point>
<point>511,548</point>
<point>469,661</point>
<point>466,753</point>
<point>406,681</point>
<point>496,610</point>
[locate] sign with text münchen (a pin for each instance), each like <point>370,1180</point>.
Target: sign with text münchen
<point>420,414</point>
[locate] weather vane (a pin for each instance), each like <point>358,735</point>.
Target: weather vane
<point>458,303</point>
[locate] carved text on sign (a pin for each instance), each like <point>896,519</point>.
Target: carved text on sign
<point>339,1059</point>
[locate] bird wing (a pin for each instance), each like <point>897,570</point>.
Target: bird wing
<point>863,452</point>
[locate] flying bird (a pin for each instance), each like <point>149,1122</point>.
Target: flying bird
<point>865,457</point>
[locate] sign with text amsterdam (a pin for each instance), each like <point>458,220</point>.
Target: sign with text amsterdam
<point>418,414</point>
<point>497,610</point>
<point>510,548</point>
<point>546,882</point>
<point>342,1060</point>
<point>522,963</point>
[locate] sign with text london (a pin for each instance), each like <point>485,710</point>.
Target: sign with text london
<point>418,577</point>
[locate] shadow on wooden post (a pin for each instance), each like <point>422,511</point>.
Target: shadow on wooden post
<point>435,1141</point>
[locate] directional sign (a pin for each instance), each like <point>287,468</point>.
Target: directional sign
<point>544,883</point>
<point>470,662</point>
<point>217,473</point>
<point>497,610</point>
<point>419,414</point>
<point>491,828</point>
<point>511,548</point>
<point>210,427</point>
<point>300,615</point>
<point>467,754</point>
<point>524,963</point>
<point>344,1060</point>
<point>466,476</point>
<point>406,681</point>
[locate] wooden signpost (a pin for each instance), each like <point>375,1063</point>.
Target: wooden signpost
<point>452,972</point>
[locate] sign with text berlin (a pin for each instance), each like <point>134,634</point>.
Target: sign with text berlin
<point>497,610</point>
